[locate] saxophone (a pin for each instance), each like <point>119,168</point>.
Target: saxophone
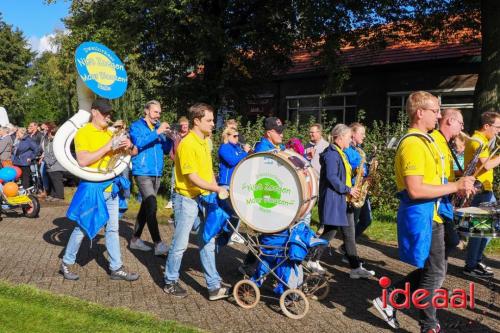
<point>365,182</point>
<point>359,181</point>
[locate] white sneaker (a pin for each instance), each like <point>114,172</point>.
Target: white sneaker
<point>361,272</point>
<point>314,266</point>
<point>139,245</point>
<point>169,205</point>
<point>388,313</point>
<point>235,238</point>
<point>161,249</point>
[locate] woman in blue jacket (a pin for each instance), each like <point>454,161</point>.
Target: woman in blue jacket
<point>334,185</point>
<point>231,152</point>
<point>25,151</point>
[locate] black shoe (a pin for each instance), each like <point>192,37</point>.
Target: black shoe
<point>478,271</point>
<point>175,290</point>
<point>485,268</point>
<point>217,294</point>
<point>120,274</point>
<point>68,275</point>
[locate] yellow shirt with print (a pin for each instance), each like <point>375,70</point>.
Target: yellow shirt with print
<point>89,138</point>
<point>416,156</point>
<point>484,176</point>
<point>448,157</point>
<point>192,156</point>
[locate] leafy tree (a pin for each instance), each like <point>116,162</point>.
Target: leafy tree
<point>15,58</point>
<point>234,47</point>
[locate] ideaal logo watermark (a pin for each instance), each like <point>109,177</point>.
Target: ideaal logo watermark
<point>419,298</point>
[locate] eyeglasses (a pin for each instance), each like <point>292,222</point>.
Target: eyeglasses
<point>436,111</point>
<point>460,122</point>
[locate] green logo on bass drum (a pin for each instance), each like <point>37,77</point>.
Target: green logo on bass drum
<point>267,193</point>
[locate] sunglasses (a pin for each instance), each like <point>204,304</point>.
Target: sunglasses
<point>236,136</point>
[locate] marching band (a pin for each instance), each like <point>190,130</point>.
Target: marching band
<point>434,191</point>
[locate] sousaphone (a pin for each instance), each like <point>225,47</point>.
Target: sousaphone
<point>100,73</point>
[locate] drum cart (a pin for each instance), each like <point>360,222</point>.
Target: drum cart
<point>293,301</point>
<point>269,193</point>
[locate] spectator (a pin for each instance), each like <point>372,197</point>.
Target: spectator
<point>54,168</point>
<point>458,146</point>
<point>34,133</point>
<point>25,150</point>
<point>45,128</point>
<point>316,146</point>
<point>5,147</point>
<point>295,145</point>
<point>12,131</point>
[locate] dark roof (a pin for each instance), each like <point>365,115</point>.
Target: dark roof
<point>304,61</point>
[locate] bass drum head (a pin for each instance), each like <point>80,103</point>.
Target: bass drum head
<point>265,192</point>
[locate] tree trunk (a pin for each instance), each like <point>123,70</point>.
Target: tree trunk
<point>486,95</point>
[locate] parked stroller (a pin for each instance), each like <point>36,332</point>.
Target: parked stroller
<point>36,178</point>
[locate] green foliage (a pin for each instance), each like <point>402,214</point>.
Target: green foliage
<point>15,58</point>
<point>26,309</point>
<point>383,190</point>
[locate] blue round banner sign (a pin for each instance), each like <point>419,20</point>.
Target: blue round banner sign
<point>101,70</point>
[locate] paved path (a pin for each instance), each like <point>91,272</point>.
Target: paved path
<point>30,252</point>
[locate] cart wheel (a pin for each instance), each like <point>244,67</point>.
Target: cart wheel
<point>316,286</point>
<point>32,209</point>
<point>294,304</point>
<point>246,293</point>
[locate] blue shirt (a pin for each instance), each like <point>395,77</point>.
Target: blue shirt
<point>354,158</point>
<point>265,145</point>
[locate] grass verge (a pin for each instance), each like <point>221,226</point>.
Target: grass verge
<point>24,308</point>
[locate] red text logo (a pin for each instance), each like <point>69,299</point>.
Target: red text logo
<point>419,298</point>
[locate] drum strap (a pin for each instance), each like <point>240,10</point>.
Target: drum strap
<point>440,154</point>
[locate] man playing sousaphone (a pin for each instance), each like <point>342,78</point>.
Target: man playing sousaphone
<point>96,203</point>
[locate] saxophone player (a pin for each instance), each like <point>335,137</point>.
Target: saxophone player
<point>357,159</point>
<point>490,127</point>
<point>94,148</point>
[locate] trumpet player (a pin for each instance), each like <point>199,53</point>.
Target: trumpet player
<point>490,127</point>
<point>94,146</point>
<point>451,124</point>
<point>148,135</point>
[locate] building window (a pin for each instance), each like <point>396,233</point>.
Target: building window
<point>338,108</point>
<point>460,98</point>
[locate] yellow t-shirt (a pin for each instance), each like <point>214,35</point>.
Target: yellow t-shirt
<point>416,156</point>
<point>485,177</point>
<point>448,157</point>
<point>192,156</point>
<point>89,138</point>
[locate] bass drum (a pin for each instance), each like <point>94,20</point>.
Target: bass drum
<point>270,191</point>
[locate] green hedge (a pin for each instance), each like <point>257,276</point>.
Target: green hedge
<point>378,134</point>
